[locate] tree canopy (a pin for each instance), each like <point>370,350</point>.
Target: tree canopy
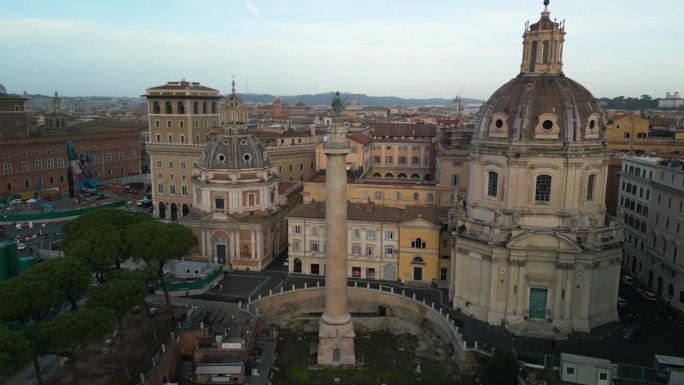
<point>27,297</point>
<point>64,334</point>
<point>71,274</point>
<point>15,350</point>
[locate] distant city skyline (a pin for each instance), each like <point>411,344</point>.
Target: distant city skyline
<point>379,48</point>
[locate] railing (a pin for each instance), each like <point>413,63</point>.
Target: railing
<point>448,322</point>
<point>56,214</point>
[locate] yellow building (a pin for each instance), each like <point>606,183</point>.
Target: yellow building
<point>384,243</point>
<point>629,133</point>
<point>402,151</point>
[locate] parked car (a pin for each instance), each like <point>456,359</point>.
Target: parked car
<point>667,311</point>
<point>649,296</point>
<point>631,312</point>
<point>630,332</point>
<point>25,225</point>
<point>100,196</point>
<point>21,246</point>
<point>16,201</point>
<point>286,263</point>
<point>621,302</point>
<point>638,287</point>
<point>626,279</point>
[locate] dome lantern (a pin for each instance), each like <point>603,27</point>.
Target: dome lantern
<point>543,46</point>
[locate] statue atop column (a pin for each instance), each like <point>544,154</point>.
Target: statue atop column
<point>337,105</point>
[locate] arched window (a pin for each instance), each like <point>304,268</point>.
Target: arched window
<point>492,184</point>
<point>181,108</point>
<point>169,110</point>
<point>590,187</point>
<point>418,243</point>
<point>251,200</point>
<point>543,188</point>
<point>389,175</point>
<point>533,56</point>
<point>545,52</point>
<point>418,260</point>
<point>155,108</point>
<point>204,107</point>
<point>213,107</point>
<point>195,108</point>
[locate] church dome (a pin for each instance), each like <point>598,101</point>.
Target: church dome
<point>541,105</point>
<point>541,108</point>
<point>234,152</point>
<point>3,90</point>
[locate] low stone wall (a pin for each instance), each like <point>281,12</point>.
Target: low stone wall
<point>367,300</point>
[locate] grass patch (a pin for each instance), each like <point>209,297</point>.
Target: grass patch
<point>388,359</point>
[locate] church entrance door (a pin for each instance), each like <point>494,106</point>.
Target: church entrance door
<point>417,273</point>
<point>538,303</point>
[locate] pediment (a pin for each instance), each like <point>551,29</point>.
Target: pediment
<point>544,239</point>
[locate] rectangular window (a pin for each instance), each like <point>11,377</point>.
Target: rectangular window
<point>590,187</point>
<point>357,233</point>
<point>121,155</point>
<point>443,273</point>
<point>378,195</point>
<point>7,168</point>
<point>543,189</point>
<point>416,196</point>
<point>219,203</point>
<point>182,165</point>
<point>24,166</point>
<point>108,157</point>
<point>297,229</point>
<point>172,189</point>
<point>184,190</point>
<point>369,251</point>
<point>39,164</point>
<point>160,188</point>
<point>397,195</point>
<point>376,159</point>
<point>60,162</point>
<point>430,197</point>
<point>389,235</point>
<point>492,184</point>
<point>170,164</point>
<point>296,245</point>
<point>356,249</point>
<point>370,234</point>
<point>314,247</point>
<point>134,155</point>
<point>402,160</point>
<point>455,180</point>
<point>159,162</point>
<point>389,251</point>
<point>415,160</point>
<point>50,163</point>
<point>388,160</point>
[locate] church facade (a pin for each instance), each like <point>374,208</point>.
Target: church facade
<point>533,248</point>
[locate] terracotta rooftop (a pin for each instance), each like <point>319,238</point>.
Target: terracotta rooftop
<point>359,138</point>
<point>182,85</point>
<point>404,130</point>
<point>370,212</point>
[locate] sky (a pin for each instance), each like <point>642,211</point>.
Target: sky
<point>410,49</point>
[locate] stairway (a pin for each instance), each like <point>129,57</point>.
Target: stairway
<point>184,372</point>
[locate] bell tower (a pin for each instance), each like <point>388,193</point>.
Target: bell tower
<point>543,46</point>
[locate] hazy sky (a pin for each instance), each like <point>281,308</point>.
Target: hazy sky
<point>399,48</point>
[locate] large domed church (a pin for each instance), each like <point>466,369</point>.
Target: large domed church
<point>534,248</point>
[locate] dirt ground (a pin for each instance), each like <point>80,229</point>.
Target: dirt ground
<point>95,366</point>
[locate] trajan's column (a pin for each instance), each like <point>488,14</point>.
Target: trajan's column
<point>336,332</point>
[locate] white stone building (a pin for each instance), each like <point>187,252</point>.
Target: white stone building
<point>533,248</point>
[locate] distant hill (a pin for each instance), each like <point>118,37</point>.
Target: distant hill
<point>362,99</point>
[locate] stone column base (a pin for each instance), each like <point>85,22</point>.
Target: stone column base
<point>336,344</point>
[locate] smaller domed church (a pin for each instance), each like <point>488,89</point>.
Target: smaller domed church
<point>533,247</point>
<point>235,213</point>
